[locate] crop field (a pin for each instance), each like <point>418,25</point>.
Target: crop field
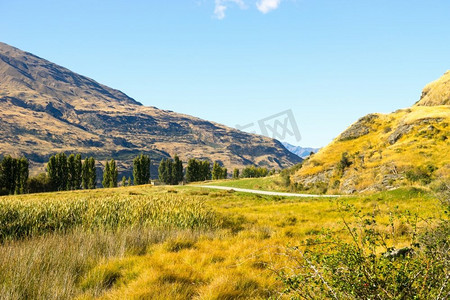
<point>179,242</point>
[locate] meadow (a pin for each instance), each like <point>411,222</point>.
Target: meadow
<point>180,242</point>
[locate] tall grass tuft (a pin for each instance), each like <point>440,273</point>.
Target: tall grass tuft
<point>25,217</point>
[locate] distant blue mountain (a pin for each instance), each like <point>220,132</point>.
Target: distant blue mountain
<point>300,151</point>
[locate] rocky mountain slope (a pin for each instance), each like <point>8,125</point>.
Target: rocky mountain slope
<point>45,109</point>
<point>383,151</point>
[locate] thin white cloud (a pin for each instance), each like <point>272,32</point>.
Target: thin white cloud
<point>222,5</point>
<point>265,6</point>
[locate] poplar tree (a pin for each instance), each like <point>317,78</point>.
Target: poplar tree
<point>92,173</point>
<point>71,172</point>
<point>78,172</point>
<point>106,176</point>
<point>141,169</point>
<point>177,170</point>
<point>113,173</point>
<point>89,174</point>
<point>236,173</point>
<point>23,173</point>
<point>13,175</point>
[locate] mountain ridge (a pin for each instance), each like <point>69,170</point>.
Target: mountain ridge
<point>46,108</point>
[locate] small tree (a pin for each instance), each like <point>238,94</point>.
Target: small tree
<point>344,162</point>
<point>219,172</point>
<point>124,181</point>
<point>216,171</point>
<point>236,173</point>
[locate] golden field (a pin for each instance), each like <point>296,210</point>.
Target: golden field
<point>227,245</point>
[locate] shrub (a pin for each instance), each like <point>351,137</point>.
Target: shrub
<point>329,268</point>
<point>422,174</point>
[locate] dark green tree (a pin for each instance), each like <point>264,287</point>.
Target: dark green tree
<point>193,170</point>
<point>39,184</point>
<point>106,176</point>
<point>71,176</point>
<point>219,172</point>
<point>52,172</point>
<point>216,171</point>
<point>124,181</point>
<point>141,169</point>
<point>236,173</point>
<point>9,171</point>
<point>89,174</point>
<point>197,170</point>
<point>58,172</point>
<point>92,174</point>
<point>224,173</point>
<point>22,177</point>
<point>205,170</point>
<point>78,172</point>
<point>85,174</point>
<point>254,172</point>
<point>177,170</point>
<point>13,175</point>
<point>162,171</point>
<point>113,173</point>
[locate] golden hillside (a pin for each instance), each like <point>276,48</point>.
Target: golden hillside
<point>383,151</point>
<point>436,92</point>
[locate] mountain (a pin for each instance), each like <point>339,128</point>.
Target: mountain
<point>384,151</point>
<point>300,151</point>
<point>46,109</point>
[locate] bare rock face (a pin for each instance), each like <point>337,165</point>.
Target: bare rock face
<point>45,109</point>
<point>358,129</point>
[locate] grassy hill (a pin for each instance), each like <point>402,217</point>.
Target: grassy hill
<point>384,151</point>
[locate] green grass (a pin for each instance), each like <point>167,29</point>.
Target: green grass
<point>270,183</point>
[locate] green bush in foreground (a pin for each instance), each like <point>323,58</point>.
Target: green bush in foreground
<point>332,269</point>
<point>29,217</point>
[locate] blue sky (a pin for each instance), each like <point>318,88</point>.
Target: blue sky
<point>239,61</point>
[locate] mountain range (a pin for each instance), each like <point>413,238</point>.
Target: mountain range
<point>300,151</point>
<point>46,109</point>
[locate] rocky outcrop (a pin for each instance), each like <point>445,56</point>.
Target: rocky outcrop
<point>358,129</point>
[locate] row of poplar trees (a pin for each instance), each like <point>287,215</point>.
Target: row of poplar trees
<point>13,175</point>
<point>171,171</point>
<point>70,173</point>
